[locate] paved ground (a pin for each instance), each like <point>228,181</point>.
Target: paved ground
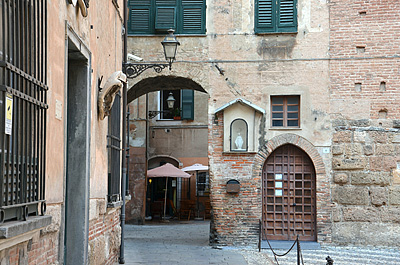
<point>186,243</point>
<point>175,243</point>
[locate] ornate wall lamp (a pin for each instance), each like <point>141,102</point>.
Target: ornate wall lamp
<point>170,104</point>
<point>170,45</point>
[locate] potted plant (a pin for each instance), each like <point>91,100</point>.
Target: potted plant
<point>177,114</point>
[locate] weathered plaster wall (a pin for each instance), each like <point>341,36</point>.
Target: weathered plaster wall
<point>101,33</point>
<point>253,67</point>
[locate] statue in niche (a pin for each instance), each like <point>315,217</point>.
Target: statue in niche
<point>239,142</point>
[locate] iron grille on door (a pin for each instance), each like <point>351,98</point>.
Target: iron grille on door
<point>23,103</point>
<point>289,195</point>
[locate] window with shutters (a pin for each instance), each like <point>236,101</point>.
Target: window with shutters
<point>285,111</point>
<point>276,16</point>
<point>183,105</point>
<point>157,16</point>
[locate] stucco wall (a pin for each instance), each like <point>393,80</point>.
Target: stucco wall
<point>100,32</point>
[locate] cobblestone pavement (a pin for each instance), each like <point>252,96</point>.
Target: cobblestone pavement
<point>343,256</point>
<point>184,243</point>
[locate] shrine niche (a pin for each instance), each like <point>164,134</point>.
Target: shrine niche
<point>241,122</point>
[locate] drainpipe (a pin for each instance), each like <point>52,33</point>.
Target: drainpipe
<point>123,154</point>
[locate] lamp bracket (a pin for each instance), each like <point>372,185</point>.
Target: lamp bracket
<point>154,113</point>
<point>133,70</point>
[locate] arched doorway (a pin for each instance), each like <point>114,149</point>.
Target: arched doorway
<point>289,195</point>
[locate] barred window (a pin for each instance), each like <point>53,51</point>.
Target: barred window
<point>203,184</point>
<point>23,99</point>
<point>114,151</point>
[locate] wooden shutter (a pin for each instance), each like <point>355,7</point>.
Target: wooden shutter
<point>165,18</point>
<point>187,104</point>
<point>140,17</point>
<point>287,16</point>
<point>265,16</point>
<point>165,15</point>
<point>193,16</point>
<point>276,16</point>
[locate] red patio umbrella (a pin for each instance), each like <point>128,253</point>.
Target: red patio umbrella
<point>165,171</point>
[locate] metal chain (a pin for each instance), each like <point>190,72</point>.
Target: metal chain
<point>287,252</point>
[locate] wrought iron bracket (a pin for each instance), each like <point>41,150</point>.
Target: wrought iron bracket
<point>154,113</point>
<point>133,70</point>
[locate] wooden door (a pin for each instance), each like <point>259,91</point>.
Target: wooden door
<point>289,206</point>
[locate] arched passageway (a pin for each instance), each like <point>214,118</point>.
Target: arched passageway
<point>159,83</point>
<point>156,137</point>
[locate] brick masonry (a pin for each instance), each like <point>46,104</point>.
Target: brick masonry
<point>105,237</point>
<point>236,217</point>
<point>43,246</point>
<point>365,153</point>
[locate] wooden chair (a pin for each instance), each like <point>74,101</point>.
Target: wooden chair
<point>157,208</point>
<point>186,209</point>
<point>175,212</point>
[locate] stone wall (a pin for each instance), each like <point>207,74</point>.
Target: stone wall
<point>366,188</point>
<point>365,100</point>
<point>40,246</point>
<point>104,235</point>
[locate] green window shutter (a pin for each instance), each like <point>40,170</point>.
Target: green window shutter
<point>165,15</point>
<point>165,18</point>
<point>193,17</point>
<point>265,16</point>
<point>157,16</point>
<point>187,103</point>
<point>287,16</point>
<point>139,17</point>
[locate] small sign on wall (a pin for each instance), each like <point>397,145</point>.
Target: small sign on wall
<point>9,113</point>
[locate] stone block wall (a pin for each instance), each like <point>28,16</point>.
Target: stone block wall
<point>364,99</point>
<point>135,208</point>
<point>365,185</point>
<point>104,234</point>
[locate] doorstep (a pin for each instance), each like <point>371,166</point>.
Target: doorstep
<point>285,244</point>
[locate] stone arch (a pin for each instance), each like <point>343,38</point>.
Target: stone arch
<point>296,140</point>
<point>158,83</point>
<point>167,158</point>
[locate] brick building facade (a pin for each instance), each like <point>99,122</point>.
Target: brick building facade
<point>327,85</point>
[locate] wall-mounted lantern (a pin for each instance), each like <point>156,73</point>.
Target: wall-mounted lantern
<point>170,45</point>
<point>170,103</point>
